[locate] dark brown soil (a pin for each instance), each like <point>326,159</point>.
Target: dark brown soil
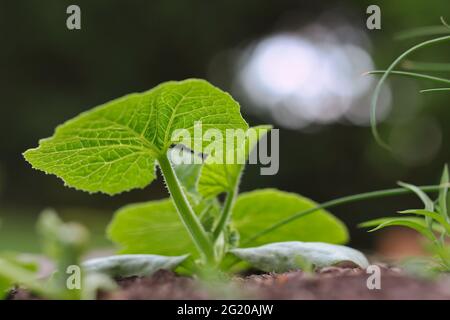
<point>328,283</point>
<point>346,284</point>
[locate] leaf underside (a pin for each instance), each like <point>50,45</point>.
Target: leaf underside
<point>287,256</point>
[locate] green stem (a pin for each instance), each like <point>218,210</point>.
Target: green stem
<point>426,66</point>
<point>186,213</point>
<point>376,94</point>
<point>340,201</point>
<point>19,275</point>
<point>225,215</point>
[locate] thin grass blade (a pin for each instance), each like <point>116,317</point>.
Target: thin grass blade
<point>443,194</point>
<point>416,224</point>
<point>377,92</point>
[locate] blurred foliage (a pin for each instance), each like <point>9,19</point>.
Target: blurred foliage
<point>50,74</point>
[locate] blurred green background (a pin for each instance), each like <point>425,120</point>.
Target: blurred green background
<point>296,64</point>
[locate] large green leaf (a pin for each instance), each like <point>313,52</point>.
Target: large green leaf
<point>112,148</point>
<point>14,268</point>
<point>131,264</point>
<point>216,178</point>
<point>286,256</point>
<point>151,227</point>
<point>254,211</point>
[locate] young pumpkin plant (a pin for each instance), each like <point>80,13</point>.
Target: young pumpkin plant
<point>115,147</point>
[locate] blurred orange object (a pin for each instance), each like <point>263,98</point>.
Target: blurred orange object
<point>399,243</point>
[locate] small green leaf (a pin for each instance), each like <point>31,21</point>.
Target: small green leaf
<point>254,211</point>
<point>132,264</point>
<point>414,223</point>
<point>216,178</point>
<point>63,242</point>
<point>286,256</point>
<point>112,148</point>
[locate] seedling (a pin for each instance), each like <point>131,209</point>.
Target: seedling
<point>114,148</point>
<point>432,221</point>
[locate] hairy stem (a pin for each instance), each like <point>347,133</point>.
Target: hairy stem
<point>340,201</point>
<point>185,211</point>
